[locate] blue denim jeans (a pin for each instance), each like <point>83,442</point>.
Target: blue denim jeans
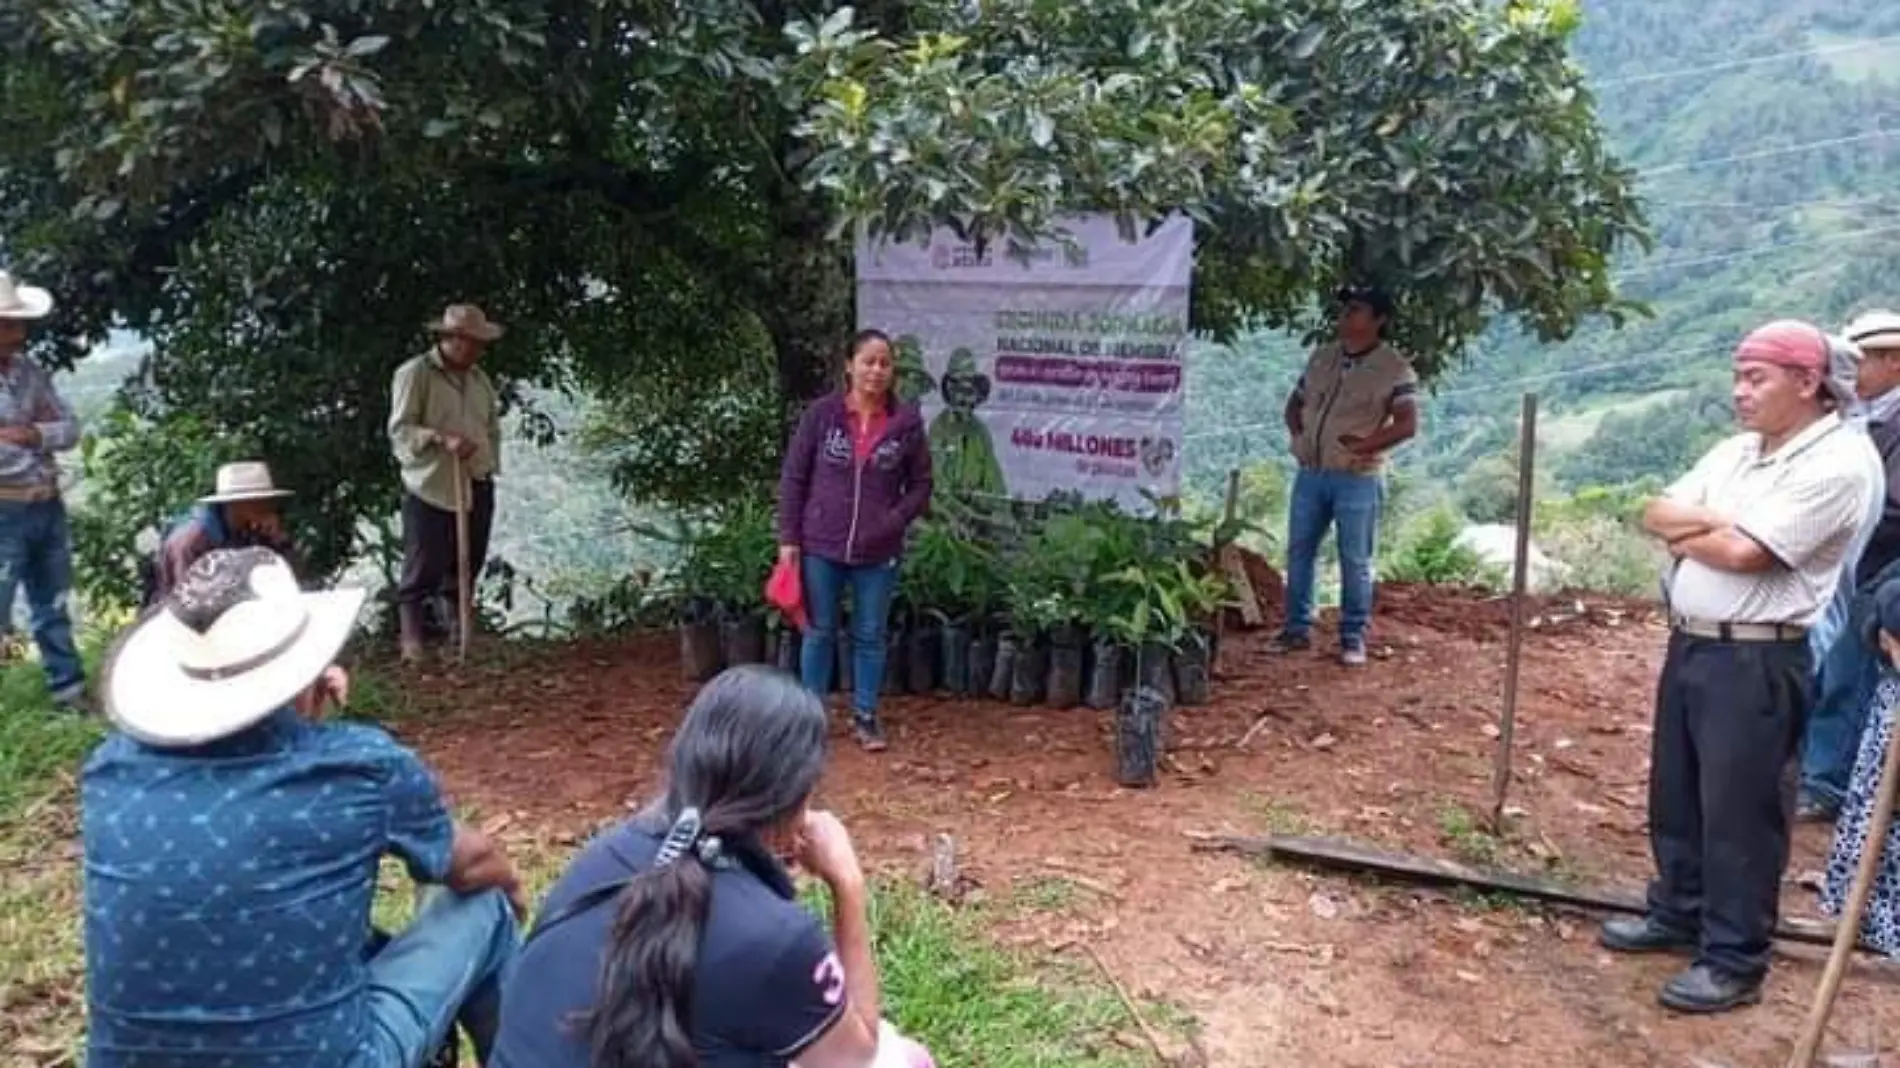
<point>444,968</point>
<point>1351,504</point>
<point>1833,621</point>
<point>36,553</point>
<point>871,586</point>
<point>1844,686</point>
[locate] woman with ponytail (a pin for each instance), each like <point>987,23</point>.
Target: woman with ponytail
<point>675,939</point>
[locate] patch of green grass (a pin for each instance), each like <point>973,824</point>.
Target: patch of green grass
<point>1477,900</point>
<point>42,1011</point>
<point>973,1002</point>
<point>379,697</point>
<point>1467,838</point>
<point>1042,893</point>
<point>40,747</point>
<point>1278,816</point>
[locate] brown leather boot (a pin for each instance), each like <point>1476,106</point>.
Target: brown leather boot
<point>409,631</point>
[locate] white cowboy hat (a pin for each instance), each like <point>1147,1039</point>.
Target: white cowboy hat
<point>466,320</point>
<point>22,302</point>
<point>235,641</point>
<point>1875,330</point>
<point>247,480</point>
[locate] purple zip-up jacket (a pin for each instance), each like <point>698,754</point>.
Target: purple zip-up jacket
<point>833,508</point>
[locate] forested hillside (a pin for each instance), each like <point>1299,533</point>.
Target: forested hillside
<point>1767,135</point>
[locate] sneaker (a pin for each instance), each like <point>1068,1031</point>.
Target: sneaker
<point>1288,642</point>
<point>1352,653</point>
<point>870,735</point>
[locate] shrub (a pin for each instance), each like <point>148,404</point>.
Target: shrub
<point>1427,552</point>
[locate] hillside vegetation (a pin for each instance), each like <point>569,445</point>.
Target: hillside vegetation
<point>1772,183</point>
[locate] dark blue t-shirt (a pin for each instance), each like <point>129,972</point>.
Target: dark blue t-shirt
<point>768,982</point>
<point>228,891</point>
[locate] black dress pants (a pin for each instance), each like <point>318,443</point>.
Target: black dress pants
<point>428,545</point>
<point>1723,771</point>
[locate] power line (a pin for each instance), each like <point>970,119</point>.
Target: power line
<point>1507,384</point>
<point>1737,64</point>
<point>1574,372</point>
<point>1766,153</point>
<point>1788,205</point>
<point>1763,250</point>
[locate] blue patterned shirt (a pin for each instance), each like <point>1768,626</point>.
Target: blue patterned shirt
<point>228,891</point>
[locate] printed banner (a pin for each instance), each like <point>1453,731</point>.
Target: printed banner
<point>1056,370</point>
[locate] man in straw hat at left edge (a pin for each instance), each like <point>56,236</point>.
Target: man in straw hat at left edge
<point>232,842</point>
<point>35,547</point>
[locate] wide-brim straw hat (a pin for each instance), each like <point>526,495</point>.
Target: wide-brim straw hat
<point>247,480</point>
<point>233,643</point>
<point>466,320</point>
<point>23,301</point>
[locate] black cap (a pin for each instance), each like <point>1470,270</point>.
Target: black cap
<point>1371,296</point>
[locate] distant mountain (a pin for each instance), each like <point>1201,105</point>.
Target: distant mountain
<point>1770,154</point>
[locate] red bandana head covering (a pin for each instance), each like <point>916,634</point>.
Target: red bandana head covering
<point>1786,343</point>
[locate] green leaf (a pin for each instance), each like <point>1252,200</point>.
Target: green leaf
<point>1306,43</point>
<point>836,23</point>
<point>1042,129</point>
<point>367,45</point>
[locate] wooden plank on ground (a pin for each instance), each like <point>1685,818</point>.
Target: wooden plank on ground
<point>1352,856</point>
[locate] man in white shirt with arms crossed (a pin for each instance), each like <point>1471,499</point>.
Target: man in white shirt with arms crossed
<point>1758,531</point>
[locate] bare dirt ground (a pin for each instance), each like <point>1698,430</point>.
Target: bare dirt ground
<point>1277,964</point>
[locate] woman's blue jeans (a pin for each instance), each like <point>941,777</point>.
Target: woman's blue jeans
<point>871,586</point>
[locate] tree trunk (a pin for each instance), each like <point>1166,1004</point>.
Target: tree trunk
<point>809,313</point>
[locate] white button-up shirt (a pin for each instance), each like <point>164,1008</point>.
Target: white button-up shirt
<point>1804,503</point>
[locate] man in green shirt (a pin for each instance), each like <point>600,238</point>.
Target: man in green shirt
<point>444,425</point>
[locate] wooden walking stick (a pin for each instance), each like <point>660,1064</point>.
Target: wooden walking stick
<point>462,592</point>
<point>1848,933</point>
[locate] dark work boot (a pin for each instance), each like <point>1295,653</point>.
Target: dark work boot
<point>409,631</point>
<point>1640,934</point>
<point>1706,989</point>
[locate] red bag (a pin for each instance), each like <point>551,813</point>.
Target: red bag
<point>786,593</point>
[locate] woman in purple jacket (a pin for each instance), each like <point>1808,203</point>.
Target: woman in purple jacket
<point>856,475</point>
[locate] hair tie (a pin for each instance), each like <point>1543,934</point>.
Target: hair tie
<point>684,836</point>
<point>711,851</point>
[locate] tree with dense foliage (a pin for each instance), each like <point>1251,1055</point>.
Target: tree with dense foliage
<point>659,198</point>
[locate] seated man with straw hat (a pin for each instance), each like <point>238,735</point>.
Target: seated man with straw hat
<point>241,512</point>
<point>445,431</point>
<point>232,841</point>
